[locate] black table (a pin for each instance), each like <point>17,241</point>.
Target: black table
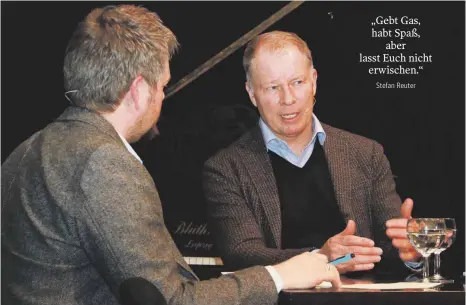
<point>447,294</point>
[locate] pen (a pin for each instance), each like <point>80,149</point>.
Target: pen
<point>342,259</point>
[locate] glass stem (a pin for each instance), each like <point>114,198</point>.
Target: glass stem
<point>425,270</point>
<point>437,264</point>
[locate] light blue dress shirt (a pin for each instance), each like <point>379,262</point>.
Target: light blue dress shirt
<point>282,149</point>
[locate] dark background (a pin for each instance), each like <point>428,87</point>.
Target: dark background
<point>421,129</point>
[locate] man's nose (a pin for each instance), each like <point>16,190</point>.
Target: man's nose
<point>288,97</point>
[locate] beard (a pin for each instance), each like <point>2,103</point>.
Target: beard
<point>154,130</point>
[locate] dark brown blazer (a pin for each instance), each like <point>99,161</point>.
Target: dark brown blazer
<point>244,206</point>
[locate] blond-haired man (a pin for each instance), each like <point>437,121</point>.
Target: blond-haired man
<point>293,184</point>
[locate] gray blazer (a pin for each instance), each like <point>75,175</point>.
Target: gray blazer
<point>244,206</point>
<point>80,214</point>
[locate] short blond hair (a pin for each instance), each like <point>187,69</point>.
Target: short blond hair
<point>273,41</point>
<point>111,47</point>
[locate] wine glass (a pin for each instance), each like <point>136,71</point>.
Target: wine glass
<point>450,235</point>
<point>426,235</point>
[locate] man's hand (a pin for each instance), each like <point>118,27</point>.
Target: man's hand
<point>307,270</point>
<point>396,231</point>
<point>346,242</point>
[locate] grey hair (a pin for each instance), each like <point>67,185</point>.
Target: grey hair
<point>111,47</point>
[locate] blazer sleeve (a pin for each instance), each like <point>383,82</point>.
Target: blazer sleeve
<point>123,233</point>
<point>238,234</point>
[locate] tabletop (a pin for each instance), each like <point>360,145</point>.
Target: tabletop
<point>445,294</point>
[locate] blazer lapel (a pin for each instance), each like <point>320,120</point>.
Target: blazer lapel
<point>257,162</point>
<point>338,158</point>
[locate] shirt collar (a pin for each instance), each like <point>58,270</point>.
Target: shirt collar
<point>317,129</point>
<point>129,148</point>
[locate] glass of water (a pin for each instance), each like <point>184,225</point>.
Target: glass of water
<point>426,235</point>
<point>450,235</point>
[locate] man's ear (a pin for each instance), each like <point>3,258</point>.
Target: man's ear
<point>251,93</point>
<point>314,80</point>
<point>135,91</point>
